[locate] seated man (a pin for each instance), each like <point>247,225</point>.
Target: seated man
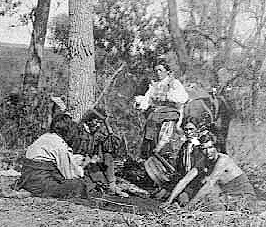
<point>50,169</point>
<point>95,140</point>
<point>224,180</point>
<point>188,157</point>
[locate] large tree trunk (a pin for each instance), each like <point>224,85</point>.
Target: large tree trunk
<point>82,79</point>
<point>175,31</point>
<point>33,69</point>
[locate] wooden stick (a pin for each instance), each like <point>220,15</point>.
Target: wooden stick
<point>107,85</point>
<point>109,201</point>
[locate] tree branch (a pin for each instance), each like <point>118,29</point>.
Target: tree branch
<point>107,86</point>
<point>215,40</point>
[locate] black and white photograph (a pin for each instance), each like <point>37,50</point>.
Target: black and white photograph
<point>132,113</point>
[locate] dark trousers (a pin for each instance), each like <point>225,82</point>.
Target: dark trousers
<point>43,179</point>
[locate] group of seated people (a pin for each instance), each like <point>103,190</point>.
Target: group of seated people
<point>71,159</point>
<point>201,172</point>
<point>205,176</point>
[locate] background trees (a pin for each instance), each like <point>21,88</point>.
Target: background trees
<point>205,39</point>
<point>33,67</point>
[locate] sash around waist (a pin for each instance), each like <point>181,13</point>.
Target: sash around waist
<point>39,164</point>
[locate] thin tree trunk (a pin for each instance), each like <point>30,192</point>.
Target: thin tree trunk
<point>230,33</point>
<point>219,23</point>
<point>259,59</point>
<point>82,79</point>
<point>33,68</point>
<point>175,31</point>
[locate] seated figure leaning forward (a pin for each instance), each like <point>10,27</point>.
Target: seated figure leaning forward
<point>162,103</point>
<point>96,141</point>
<point>188,157</point>
<point>225,185</point>
<point>50,169</point>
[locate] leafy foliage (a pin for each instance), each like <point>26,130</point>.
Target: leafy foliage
<point>23,120</point>
<point>9,6</point>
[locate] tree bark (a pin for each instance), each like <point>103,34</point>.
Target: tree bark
<point>219,22</point>
<point>33,68</point>
<point>82,79</point>
<point>176,34</point>
<point>259,58</point>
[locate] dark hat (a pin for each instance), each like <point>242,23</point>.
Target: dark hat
<point>94,114</point>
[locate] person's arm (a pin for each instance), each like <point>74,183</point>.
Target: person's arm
<point>108,127</point>
<point>206,188</point>
<point>106,122</point>
<point>67,165</point>
<point>181,185</point>
<point>177,92</point>
<point>145,101</point>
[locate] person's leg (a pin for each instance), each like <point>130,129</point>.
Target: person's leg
<point>65,189</point>
<point>110,175</point>
<point>110,171</point>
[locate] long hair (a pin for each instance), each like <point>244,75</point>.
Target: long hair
<point>62,125</point>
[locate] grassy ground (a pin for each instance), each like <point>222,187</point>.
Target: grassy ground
<point>50,212</point>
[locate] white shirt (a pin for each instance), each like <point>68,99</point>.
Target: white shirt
<point>168,89</point>
<point>51,147</point>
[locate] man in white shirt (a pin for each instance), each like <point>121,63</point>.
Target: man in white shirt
<point>50,169</point>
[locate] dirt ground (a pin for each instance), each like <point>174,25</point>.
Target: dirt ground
<point>42,212</point>
<point>106,210</point>
<point>51,212</point>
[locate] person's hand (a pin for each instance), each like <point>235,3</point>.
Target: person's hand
<point>95,158</point>
<point>208,180</point>
<point>86,161</point>
<point>205,180</point>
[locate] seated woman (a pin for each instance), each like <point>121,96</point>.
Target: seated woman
<point>163,102</point>
<point>50,169</point>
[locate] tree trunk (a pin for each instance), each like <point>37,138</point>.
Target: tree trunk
<point>33,68</point>
<point>177,38</point>
<point>230,32</point>
<point>259,58</point>
<point>82,79</point>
